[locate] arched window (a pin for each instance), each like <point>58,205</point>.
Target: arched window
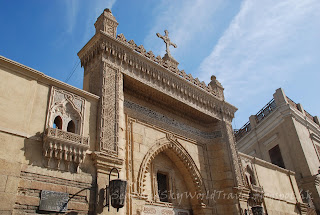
<point>71,127</point>
<point>251,177</point>
<point>57,123</point>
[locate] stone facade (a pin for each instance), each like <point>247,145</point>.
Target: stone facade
<point>286,125</point>
<point>168,134</point>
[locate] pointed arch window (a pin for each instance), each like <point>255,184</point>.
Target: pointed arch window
<point>57,123</point>
<point>71,127</point>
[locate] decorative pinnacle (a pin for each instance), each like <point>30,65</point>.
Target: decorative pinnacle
<point>167,41</point>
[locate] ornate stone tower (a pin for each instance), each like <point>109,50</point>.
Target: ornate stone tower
<point>151,116</point>
<point>102,77</point>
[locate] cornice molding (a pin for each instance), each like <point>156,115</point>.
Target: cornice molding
<point>142,66</point>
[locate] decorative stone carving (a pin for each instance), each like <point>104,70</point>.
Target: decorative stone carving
<point>171,122</point>
<point>122,38</point>
<point>141,49</point>
<point>168,43</point>
<point>65,150</point>
<point>69,107</point>
<point>107,23</point>
<point>172,144</point>
<point>234,154</point>
<point>216,86</point>
<point>256,194</point>
<point>109,119</point>
<point>205,98</point>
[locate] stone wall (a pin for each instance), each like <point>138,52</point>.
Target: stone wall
<point>279,187</point>
<point>24,110</point>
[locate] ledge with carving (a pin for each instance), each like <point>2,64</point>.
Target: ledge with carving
<point>150,71</point>
<point>104,162</point>
<point>256,194</point>
<point>64,146</point>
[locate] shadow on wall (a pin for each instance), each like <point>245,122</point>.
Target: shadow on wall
<point>33,152</point>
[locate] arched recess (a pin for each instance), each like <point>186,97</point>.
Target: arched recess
<point>251,175</point>
<point>75,116</point>
<point>68,112</point>
<point>179,155</point>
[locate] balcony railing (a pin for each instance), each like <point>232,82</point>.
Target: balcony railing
<point>64,150</point>
<point>263,113</point>
<point>239,133</point>
<point>67,136</point>
<point>266,110</point>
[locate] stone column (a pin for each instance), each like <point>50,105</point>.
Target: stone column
<point>226,172</point>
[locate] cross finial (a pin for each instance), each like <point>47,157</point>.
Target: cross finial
<point>167,41</point>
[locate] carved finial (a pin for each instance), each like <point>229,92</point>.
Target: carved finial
<point>167,41</point>
<point>107,23</point>
<point>216,86</point>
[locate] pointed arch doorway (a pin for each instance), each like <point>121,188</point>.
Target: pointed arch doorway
<point>170,180</point>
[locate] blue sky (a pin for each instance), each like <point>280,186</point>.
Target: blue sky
<point>253,47</point>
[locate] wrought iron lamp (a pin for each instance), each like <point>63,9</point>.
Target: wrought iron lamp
<point>257,210</point>
<point>116,192</point>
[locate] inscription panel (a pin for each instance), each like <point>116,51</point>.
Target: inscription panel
<point>53,201</point>
<point>171,122</point>
<point>158,210</point>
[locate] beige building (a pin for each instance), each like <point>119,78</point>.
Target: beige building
<point>168,134</point>
<point>286,135</point>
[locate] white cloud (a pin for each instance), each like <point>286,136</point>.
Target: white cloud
<point>72,7</point>
<point>266,45</point>
<point>184,19</point>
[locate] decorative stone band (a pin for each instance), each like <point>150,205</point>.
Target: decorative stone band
<point>160,61</point>
<point>167,64</point>
<point>175,84</point>
<point>171,122</point>
<point>67,136</point>
<point>65,146</point>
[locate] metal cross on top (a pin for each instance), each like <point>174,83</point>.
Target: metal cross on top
<point>167,41</point>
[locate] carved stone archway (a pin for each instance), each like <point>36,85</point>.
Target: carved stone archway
<point>172,147</point>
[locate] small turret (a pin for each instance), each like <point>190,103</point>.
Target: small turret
<point>107,23</point>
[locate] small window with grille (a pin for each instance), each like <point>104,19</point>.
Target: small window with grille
<point>162,180</point>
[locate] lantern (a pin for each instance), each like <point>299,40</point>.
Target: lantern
<point>116,192</point>
<point>257,210</point>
